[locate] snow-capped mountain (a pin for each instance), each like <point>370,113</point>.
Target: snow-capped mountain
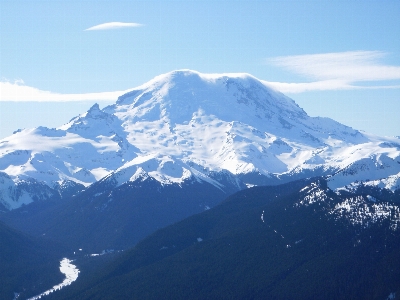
<point>186,125</point>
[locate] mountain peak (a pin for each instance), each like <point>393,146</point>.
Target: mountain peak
<point>180,94</point>
<point>187,74</point>
<point>95,112</point>
<point>95,107</point>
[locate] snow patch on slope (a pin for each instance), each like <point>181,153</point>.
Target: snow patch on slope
<point>364,212</point>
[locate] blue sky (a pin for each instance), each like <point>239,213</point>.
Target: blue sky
<point>337,59</point>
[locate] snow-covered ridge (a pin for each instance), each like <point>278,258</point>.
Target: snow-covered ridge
<point>186,125</point>
<point>358,210</point>
<point>364,212</point>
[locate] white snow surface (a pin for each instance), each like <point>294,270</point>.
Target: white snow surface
<point>71,274</point>
<point>186,124</point>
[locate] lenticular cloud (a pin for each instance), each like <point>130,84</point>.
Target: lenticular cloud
<point>351,66</point>
<point>113,25</point>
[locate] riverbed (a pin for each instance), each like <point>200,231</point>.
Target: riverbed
<point>71,274</point>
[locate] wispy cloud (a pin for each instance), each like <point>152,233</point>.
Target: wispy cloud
<point>323,85</point>
<point>336,71</point>
<point>18,92</point>
<point>113,25</point>
<point>301,87</point>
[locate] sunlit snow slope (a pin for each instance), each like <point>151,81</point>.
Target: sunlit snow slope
<point>185,124</point>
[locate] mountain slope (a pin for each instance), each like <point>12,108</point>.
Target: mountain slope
<point>108,217</point>
<point>185,125</point>
<point>295,241</point>
<point>28,266</point>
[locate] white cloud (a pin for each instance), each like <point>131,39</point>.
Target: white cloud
<point>323,85</point>
<point>17,92</point>
<point>113,25</point>
<point>336,71</point>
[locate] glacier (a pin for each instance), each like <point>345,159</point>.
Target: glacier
<point>187,125</point>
